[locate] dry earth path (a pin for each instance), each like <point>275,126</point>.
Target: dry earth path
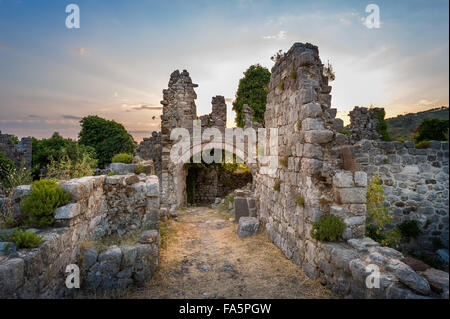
<point>202,257</point>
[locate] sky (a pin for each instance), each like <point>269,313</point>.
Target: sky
<point>120,59</point>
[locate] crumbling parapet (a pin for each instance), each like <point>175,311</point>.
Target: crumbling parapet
<point>218,117</point>
<point>21,154</point>
<point>151,149</point>
<point>363,124</point>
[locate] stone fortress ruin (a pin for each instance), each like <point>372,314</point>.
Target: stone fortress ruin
<point>320,171</point>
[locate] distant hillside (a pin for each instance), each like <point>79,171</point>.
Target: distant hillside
<point>403,126</point>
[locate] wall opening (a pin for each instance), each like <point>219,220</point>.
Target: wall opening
<point>205,182</point>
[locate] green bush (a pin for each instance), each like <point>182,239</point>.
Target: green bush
<point>122,158</point>
<point>107,138</point>
<point>112,173</point>
<point>375,232</point>
<point>22,239</point>
<point>252,90</point>
<point>422,144</point>
<point>45,196</point>
<point>345,132</point>
<point>409,229</point>
<point>432,129</point>
<point>329,228</point>
<point>140,169</point>
<point>6,167</point>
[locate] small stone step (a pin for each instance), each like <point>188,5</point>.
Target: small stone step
<point>248,226</point>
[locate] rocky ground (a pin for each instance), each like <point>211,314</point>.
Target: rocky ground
<point>202,257</point>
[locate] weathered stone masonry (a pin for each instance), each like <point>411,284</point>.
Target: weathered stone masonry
<point>298,104</point>
<point>20,154</point>
<point>100,206</point>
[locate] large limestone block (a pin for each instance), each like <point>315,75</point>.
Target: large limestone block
<point>248,226</point>
<point>319,136</point>
<point>408,276</point>
<point>352,195</point>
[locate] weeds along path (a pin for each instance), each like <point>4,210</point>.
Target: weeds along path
<point>202,257</point>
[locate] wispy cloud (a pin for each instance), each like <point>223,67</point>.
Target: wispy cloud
<point>71,117</point>
<point>281,35</point>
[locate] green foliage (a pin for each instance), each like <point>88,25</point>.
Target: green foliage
<point>409,229</point>
<point>382,124</point>
<point>393,238</point>
<point>378,214</point>
<point>300,201</point>
<point>345,132</point>
<point>281,84</point>
<point>403,126</point>
<point>112,173</point>
<point>122,158</point>
<point>75,161</point>
<point>22,239</point>
<point>14,138</point>
<point>284,161</point>
<point>252,90</point>
<point>63,156</point>
<point>140,169</point>
<point>431,129</point>
<point>45,196</point>
<point>293,74</point>
<point>422,144</point>
<point>299,125</point>
<point>6,167</point>
<point>107,138</point>
<point>329,228</point>
<point>277,186</point>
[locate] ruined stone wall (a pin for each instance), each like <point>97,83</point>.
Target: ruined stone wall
<point>151,149</point>
<point>218,117</point>
<point>415,182</point>
<point>205,185</point>
<point>313,159</point>
<point>100,206</point>
<point>179,111</point>
<point>20,154</point>
<point>363,124</point>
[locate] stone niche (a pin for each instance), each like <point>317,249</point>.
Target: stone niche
<point>101,206</point>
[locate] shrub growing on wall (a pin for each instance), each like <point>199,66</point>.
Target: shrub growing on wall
<point>122,158</point>
<point>329,228</point>
<point>22,239</point>
<point>45,196</point>
<point>106,137</point>
<point>382,124</point>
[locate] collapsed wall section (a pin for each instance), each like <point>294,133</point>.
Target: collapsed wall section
<point>100,206</point>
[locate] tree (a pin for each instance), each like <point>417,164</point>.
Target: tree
<point>382,124</point>
<point>107,138</point>
<point>432,129</point>
<point>252,90</point>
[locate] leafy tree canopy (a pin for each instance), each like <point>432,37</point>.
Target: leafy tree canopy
<point>107,138</point>
<point>252,90</point>
<point>432,129</point>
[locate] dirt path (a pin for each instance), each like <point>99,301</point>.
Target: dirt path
<point>202,257</point>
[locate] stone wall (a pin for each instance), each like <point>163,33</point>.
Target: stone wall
<point>363,124</point>
<point>415,182</point>
<point>151,149</point>
<point>20,154</point>
<point>205,185</point>
<point>218,117</point>
<point>314,171</point>
<point>100,206</point>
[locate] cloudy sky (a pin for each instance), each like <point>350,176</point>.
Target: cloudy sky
<point>119,61</point>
